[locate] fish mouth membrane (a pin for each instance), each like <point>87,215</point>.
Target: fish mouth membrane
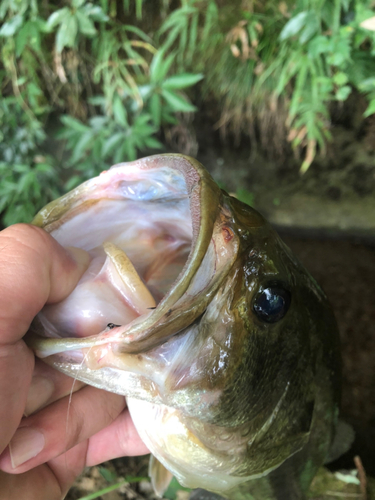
<point>136,224</point>
<point>149,227</point>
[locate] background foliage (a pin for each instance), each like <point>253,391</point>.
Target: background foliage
<point>116,74</point>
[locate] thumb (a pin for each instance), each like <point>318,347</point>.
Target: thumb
<point>34,270</point>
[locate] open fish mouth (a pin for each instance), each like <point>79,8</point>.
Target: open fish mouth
<point>161,245</point>
<point>194,309</point>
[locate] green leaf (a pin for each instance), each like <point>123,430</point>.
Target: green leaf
<point>11,27</point>
<point>139,32</point>
<point>108,475</point>
<point>74,124</point>
<point>181,81</point>
<point>67,33</point>
<point>367,85</point>
<point>319,45</point>
<point>112,487</point>
<point>119,112</point>
<point>370,110</point>
<point>95,12</point>
<point>77,3</point>
<point>325,84</point>
<point>138,9</point>
<point>311,28</point>
<point>340,78</point>
<point>57,18</point>
<point>21,80</point>
<point>28,34</point>
<point>81,147</point>
<point>173,488</point>
<point>97,100</point>
<point>177,102</point>
<point>112,142</point>
<point>153,143</point>
<point>293,26</point>
<point>99,122</point>
<point>159,67</point>
<point>85,25</point>
<point>343,93</point>
<point>141,121</point>
<point>72,182</point>
<point>155,109</point>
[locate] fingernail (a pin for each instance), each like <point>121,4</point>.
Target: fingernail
<point>40,391</point>
<point>26,444</point>
<point>81,257</point>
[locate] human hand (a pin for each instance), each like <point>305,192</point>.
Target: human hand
<point>69,425</point>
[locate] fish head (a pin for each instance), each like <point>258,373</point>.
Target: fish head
<point>196,311</point>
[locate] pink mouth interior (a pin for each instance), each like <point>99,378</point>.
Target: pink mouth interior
<point>144,214</point>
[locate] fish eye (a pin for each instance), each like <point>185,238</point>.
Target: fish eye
<point>272,303</point>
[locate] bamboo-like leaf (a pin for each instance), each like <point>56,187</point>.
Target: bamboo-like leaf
<point>181,81</point>
<point>177,18</point>
<point>111,143</point>
<point>119,112</point>
<point>211,20</point>
<point>177,102</point>
<point>293,26</point>
<point>80,148</point>
<point>74,124</point>
<point>153,143</point>
<point>159,67</point>
<point>138,32</point>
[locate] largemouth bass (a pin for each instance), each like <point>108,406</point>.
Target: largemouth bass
<point>196,311</point>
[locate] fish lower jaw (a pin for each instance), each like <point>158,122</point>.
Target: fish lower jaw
<point>168,438</point>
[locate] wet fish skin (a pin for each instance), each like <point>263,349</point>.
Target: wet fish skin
<point>309,329</point>
<point>270,390</point>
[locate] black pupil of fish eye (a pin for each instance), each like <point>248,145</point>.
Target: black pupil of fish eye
<point>272,303</point>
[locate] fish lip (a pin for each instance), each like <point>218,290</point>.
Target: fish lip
<point>147,331</point>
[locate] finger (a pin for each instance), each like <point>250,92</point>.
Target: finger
<point>119,439</point>
<point>60,426</point>
<point>34,269</point>
<point>37,484</point>
<point>47,386</point>
<point>116,440</point>
<point>16,368</point>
